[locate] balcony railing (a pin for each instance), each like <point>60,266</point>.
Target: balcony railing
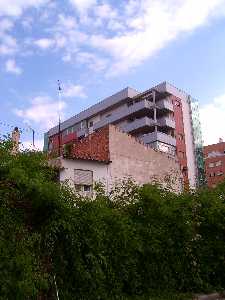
<point>166,122</point>
<point>165,104</point>
<point>158,136</point>
<point>123,113</point>
<point>138,124</point>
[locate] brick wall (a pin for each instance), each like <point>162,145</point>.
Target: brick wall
<point>213,154</point>
<point>93,147</point>
<point>180,138</point>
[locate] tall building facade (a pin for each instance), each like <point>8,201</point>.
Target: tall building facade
<point>214,156</point>
<point>163,117</point>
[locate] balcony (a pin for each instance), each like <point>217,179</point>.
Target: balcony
<point>123,113</point>
<point>166,122</point>
<point>165,104</point>
<point>138,124</point>
<point>158,136</point>
<point>82,132</point>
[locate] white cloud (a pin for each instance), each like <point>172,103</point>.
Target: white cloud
<point>44,43</point>
<point>66,22</point>
<point>8,44</point>
<point>73,90</point>
<point>93,61</point>
<point>153,26</point>
<point>11,67</point>
<point>43,111</point>
<point>16,7</point>
<point>105,11</point>
<point>5,25</point>
<point>83,5</point>
<point>212,120</point>
<point>28,145</point>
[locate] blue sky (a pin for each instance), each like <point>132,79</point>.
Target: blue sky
<point>97,47</point>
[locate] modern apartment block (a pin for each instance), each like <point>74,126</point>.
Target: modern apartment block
<point>163,117</point>
<point>214,156</point>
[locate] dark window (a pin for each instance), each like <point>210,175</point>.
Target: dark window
<point>87,188</point>
<point>180,137</point>
<point>130,103</point>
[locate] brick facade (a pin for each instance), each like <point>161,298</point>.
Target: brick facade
<point>214,156</point>
<point>180,138</point>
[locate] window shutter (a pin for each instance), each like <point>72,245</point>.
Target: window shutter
<point>83,177</point>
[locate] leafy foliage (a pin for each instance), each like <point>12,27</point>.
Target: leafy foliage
<point>133,243</point>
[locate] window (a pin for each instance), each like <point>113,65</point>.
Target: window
<point>87,188</point>
<point>82,124</point>
<point>130,120</point>
<point>177,103</point>
<point>218,163</point>
<point>83,181</point>
<point>83,177</point>
<point>211,165</point>
<point>91,124</point>
<point>180,137</point>
<point>181,154</point>
<point>83,188</point>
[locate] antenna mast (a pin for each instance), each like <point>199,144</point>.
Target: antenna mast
<point>59,109</point>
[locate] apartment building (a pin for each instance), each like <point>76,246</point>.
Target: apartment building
<point>163,117</point>
<point>214,156</point>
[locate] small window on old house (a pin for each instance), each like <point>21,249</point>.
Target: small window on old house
<point>211,165</point>
<point>83,180</point>
<point>87,188</point>
<point>91,124</point>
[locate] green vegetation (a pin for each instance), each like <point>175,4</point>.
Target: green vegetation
<point>134,244</point>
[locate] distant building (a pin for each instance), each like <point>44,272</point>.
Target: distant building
<point>214,156</point>
<point>110,155</point>
<point>163,117</point>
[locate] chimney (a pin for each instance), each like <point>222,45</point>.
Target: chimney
<point>15,140</point>
<point>220,140</point>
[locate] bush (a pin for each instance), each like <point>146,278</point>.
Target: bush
<point>152,241</point>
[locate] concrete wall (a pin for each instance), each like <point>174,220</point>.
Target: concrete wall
<point>130,158</point>
<point>100,170</point>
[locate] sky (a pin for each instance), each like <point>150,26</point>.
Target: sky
<point>98,47</point>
